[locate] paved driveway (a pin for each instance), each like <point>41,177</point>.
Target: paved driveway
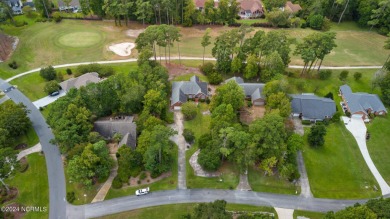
<point>48,100</point>
<point>358,129</point>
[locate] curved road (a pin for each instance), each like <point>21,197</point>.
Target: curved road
<point>55,170</point>
<point>59,208</point>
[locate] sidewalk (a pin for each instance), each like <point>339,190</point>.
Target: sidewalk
<point>101,195</point>
<point>34,149</point>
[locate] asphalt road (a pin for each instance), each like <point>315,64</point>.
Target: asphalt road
<point>55,170</point>
<point>207,195</point>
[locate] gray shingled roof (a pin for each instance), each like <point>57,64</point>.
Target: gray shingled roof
<point>180,89</point>
<point>361,102</point>
<point>80,81</point>
<point>126,127</point>
<point>253,90</point>
<point>312,107</point>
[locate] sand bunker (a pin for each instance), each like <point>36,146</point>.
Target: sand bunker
<point>122,49</point>
<point>134,33</point>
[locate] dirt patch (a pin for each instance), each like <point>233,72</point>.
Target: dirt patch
<point>6,196</point>
<point>249,114</point>
<point>133,181</point>
<point>7,46</point>
<point>14,214</point>
<point>21,146</point>
<point>134,33</point>
<point>175,70</point>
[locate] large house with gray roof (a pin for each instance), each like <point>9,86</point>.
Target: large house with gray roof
<point>253,91</point>
<point>80,81</point>
<point>311,107</point>
<point>361,103</point>
<point>122,125</point>
<point>184,90</point>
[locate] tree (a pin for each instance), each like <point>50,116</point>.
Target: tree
<point>236,65</point>
<point>278,18</point>
<point>316,22</point>
<point>188,135</point>
<point>274,4</point>
<point>209,158</point>
<point>189,12</point>
<point>129,163</point>
<point>224,47</point>
<point>43,6</point>
<point>155,102</point>
<point>273,65</point>
<point>356,212</point>
<point>316,135</point>
<point>343,75</point>
<point>229,93</point>
<point>294,143</point>
<point>387,46</point>
<point>384,84</point>
<point>206,41</point>
<point>280,102</point>
<point>379,17</point>
<point>357,76</point>
<point>268,164</point>
<point>13,119</point>
<point>51,87</point>
<point>48,73</point>
<point>144,11</point>
<point>252,67</point>
<point>8,164</point>
<point>189,110</point>
<point>223,116</point>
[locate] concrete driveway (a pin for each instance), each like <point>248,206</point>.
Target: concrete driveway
<point>358,129</point>
<point>48,100</point>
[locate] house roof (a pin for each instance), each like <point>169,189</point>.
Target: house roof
<point>293,7</point>
<point>61,3</point>
<point>254,90</point>
<point>126,127</point>
<point>312,106</point>
<point>181,89</point>
<point>251,5</point>
<point>361,102</point>
<point>80,81</point>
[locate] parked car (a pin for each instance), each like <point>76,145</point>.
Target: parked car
<point>55,93</point>
<point>9,89</point>
<point>142,191</point>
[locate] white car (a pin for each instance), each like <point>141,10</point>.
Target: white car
<point>142,191</point>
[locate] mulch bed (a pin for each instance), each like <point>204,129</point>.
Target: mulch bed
<point>8,196</point>
<point>21,146</point>
<point>13,212</point>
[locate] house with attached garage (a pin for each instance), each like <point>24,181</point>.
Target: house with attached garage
<point>253,91</point>
<point>361,103</point>
<point>184,90</point>
<point>311,107</point>
<point>80,81</point>
<point>247,8</point>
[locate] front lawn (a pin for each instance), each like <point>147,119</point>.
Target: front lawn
<point>337,169</point>
<point>168,183</point>
<point>252,21</point>
<point>272,184</point>
<point>32,186</point>
<point>379,145</point>
<point>176,211</point>
<point>187,77</point>
<point>308,214</point>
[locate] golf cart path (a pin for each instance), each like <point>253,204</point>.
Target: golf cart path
<point>177,58</point>
<point>358,129</point>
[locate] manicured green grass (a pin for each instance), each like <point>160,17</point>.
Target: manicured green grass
<point>81,39</point>
<point>272,184</point>
<point>188,76</point>
<point>308,214</point>
<point>31,85</point>
<point>201,123</point>
<point>379,145</point>
<point>251,21</point>
<point>30,138</point>
<point>168,183</point>
<point>337,169</point>
<point>32,186</point>
<point>175,211</point>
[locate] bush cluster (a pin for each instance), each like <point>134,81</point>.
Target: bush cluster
<point>102,70</point>
<point>13,65</point>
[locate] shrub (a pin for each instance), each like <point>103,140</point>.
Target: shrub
<point>316,135</point>
<point>169,118</point>
<point>209,159</point>
<point>215,78</point>
<point>71,197</point>
<point>106,71</point>
<point>48,73</point>
<point>207,68</point>
<point>68,71</point>
<point>116,183</point>
<point>306,122</point>
<point>203,140</point>
<point>357,76</point>
<point>336,117</point>
<point>249,103</point>
<point>343,75</point>
<point>57,17</point>
<point>13,65</point>
<point>59,77</point>
<point>51,86</point>
<point>23,167</point>
<point>189,110</point>
<point>155,174</point>
<point>347,113</point>
<point>316,22</point>
<point>329,95</point>
<point>82,69</point>
<point>142,176</point>
<point>325,74</point>
<point>188,135</point>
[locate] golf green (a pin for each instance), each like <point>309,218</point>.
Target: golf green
<point>80,39</point>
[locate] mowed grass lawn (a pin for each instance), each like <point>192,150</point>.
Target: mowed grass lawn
<point>176,211</point>
<point>379,145</point>
<point>230,175</point>
<point>32,186</point>
<point>272,184</point>
<point>308,214</point>
<point>337,169</point>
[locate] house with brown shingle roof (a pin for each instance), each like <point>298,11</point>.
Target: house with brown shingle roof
<point>251,8</point>
<point>291,7</point>
<point>80,81</point>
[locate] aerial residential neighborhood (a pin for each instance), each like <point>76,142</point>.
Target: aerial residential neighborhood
<point>233,109</point>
